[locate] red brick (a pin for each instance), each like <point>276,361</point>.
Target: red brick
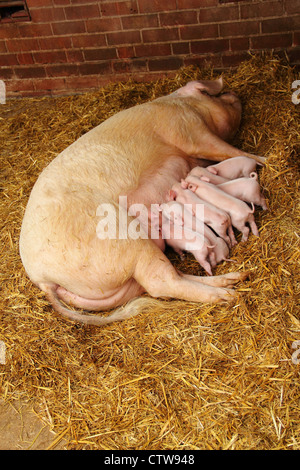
<point>139,65</point>
<point>100,54</point>
<point>272,41</point>
<point>19,85</point>
<point>38,3</point>
<point>140,21</point>
<point>296,41</point>
<point>204,61</point>
<point>199,31</point>
<point>74,56</point>
<point>44,15</point>
<point>9,31</point>
<point>168,63</point>
<point>294,56</point>
<point>277,25</point>
<point>89,40</point>
<point>180,48</point>
<point>119,8</point>
<point>292,6</point>
<point>145,50</point>
<point>187,4</point>
<point>25,58</point>
<point>239,44</point>
<point>20,45</point>
<point>95,68</point>
<point>233,60</point>
<point>62,70</point>
<point>123,66</point>
<point>262,9</point>
<point>126,52</point>
<point>49,84</point>
<point>160,35</point>
<point>35,30</point>
<point>7,60</point>
<point>239,28</point>
<point>103,24</point>
<point>82,2</point>
<point>130,66</point>
<point>50,57</point>
<point>30,72</point>
<point>58,42</point>
<point>68,27</point>
<point>215,15</point>
<point>178,18</point>
<point>81,83</point>
<point>123,37</point>
<point>2,47</point>
<point>61,2</point>
<point>6,73</point>
<point>79,12</point>
<point>147,6</point>
<point>216,45</point>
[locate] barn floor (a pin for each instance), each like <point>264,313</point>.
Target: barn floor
<point>22,429</point>
<point>185,376</point>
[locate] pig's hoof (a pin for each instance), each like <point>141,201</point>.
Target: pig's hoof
<point>226,294</point>
<point>261,160</point>
<point>230,279</point>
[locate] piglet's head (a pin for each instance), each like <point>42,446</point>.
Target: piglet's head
<point>225,108</point>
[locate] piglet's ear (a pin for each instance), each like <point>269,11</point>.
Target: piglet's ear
<point>212,87</point>
<point>184,184</point>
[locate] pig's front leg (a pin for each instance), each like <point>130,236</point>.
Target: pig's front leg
<point>207,145</point>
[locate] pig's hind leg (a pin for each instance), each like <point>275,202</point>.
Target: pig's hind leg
<point>222,280</point>
<point>157,275</point>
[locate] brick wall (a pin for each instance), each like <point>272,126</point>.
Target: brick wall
<point>74,45</point>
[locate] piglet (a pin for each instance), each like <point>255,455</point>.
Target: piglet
<point>181,238</point>
<point>207,176</point>
<point>233,168</point>
<point>246,189</point>
<point>214,217</point>
<point>240,213</point>
<point>193,225</point>
<point>221,249</point>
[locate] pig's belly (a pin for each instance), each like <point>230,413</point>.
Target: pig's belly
<point>109,300</point>
<point>103,287</point>
<point>155,184</point>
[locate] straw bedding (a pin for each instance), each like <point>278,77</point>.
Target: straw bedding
<point>188,376</point>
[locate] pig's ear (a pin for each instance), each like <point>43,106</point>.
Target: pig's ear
<point>212,87</point>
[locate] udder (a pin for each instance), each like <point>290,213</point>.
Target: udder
<point>155,184</point>
<point>154,187</point>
